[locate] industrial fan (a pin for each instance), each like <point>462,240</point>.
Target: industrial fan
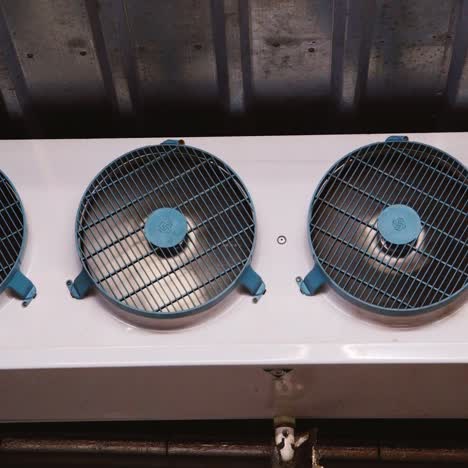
<point>388,228</point>
<point>166,231</point>
<point>12,243</point>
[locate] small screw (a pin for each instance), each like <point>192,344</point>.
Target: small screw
<point>281,240</point>
<point>298,279</point>
<point>25,303</point>
<point>255,300</point>
<point>69,282</point>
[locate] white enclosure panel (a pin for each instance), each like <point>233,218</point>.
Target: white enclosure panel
<point>283,329</point>
<point>237,392</point>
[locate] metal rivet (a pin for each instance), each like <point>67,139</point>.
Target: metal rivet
<point>69,282</point>
<point>298,279</point>
<point>281,240</point>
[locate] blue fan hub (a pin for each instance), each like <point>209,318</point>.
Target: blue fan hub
<point>399,224</point>
<point>166,228</point>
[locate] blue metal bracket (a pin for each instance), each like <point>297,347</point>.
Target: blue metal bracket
<point>22,287</point>
<point>252,281</point>
<point>396,139</point>
<point>81,286</point>
<point>313,281</point>
<point>172,142</point>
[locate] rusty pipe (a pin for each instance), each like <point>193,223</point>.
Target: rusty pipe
<point>226,449</point>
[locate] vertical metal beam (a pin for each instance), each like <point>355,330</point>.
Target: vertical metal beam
<point>219,41</point>
<point>352,32</point>
<point>92,11</point>
<point>20,106</point>
<point>459,53</point>
<point>116,51</point>
<point>130,65</point>
<point>231,36</point>
<point>246,51</point>
<point>340,11</point>
<point>118,57</point>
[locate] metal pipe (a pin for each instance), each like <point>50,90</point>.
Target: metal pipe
<point>344,452</point>
<point>433,455</point>
<point>219,449</point>
<point>227,449</point>
<point>132,447</point>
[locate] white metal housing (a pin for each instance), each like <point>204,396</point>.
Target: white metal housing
<point>64,359</point>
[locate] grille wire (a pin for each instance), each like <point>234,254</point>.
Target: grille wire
<point>219,242</point>
<point>346,242</point>
<point>11,228</point>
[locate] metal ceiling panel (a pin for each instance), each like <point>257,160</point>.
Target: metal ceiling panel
<point>74,68</point>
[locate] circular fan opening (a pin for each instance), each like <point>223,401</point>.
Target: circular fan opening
<point>166,229</point>
<point>11,228</point>
<point>415,258</point>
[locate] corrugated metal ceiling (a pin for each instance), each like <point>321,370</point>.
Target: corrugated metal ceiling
<point>72,68</point>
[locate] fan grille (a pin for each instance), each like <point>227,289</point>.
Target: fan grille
<point>141,276</point>
<point>349,247</point>
<point>11,228</point>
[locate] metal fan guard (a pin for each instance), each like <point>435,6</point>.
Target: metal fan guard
<point>242,267</point>
<point>12,230</point>
<point>325,272</point>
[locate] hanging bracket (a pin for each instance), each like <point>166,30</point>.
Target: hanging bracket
<point>22,287</point>
<point>253,283</point>
<point>312,282</point>
<point>80,287</point>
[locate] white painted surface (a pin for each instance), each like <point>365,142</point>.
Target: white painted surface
<point>284,329</point>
